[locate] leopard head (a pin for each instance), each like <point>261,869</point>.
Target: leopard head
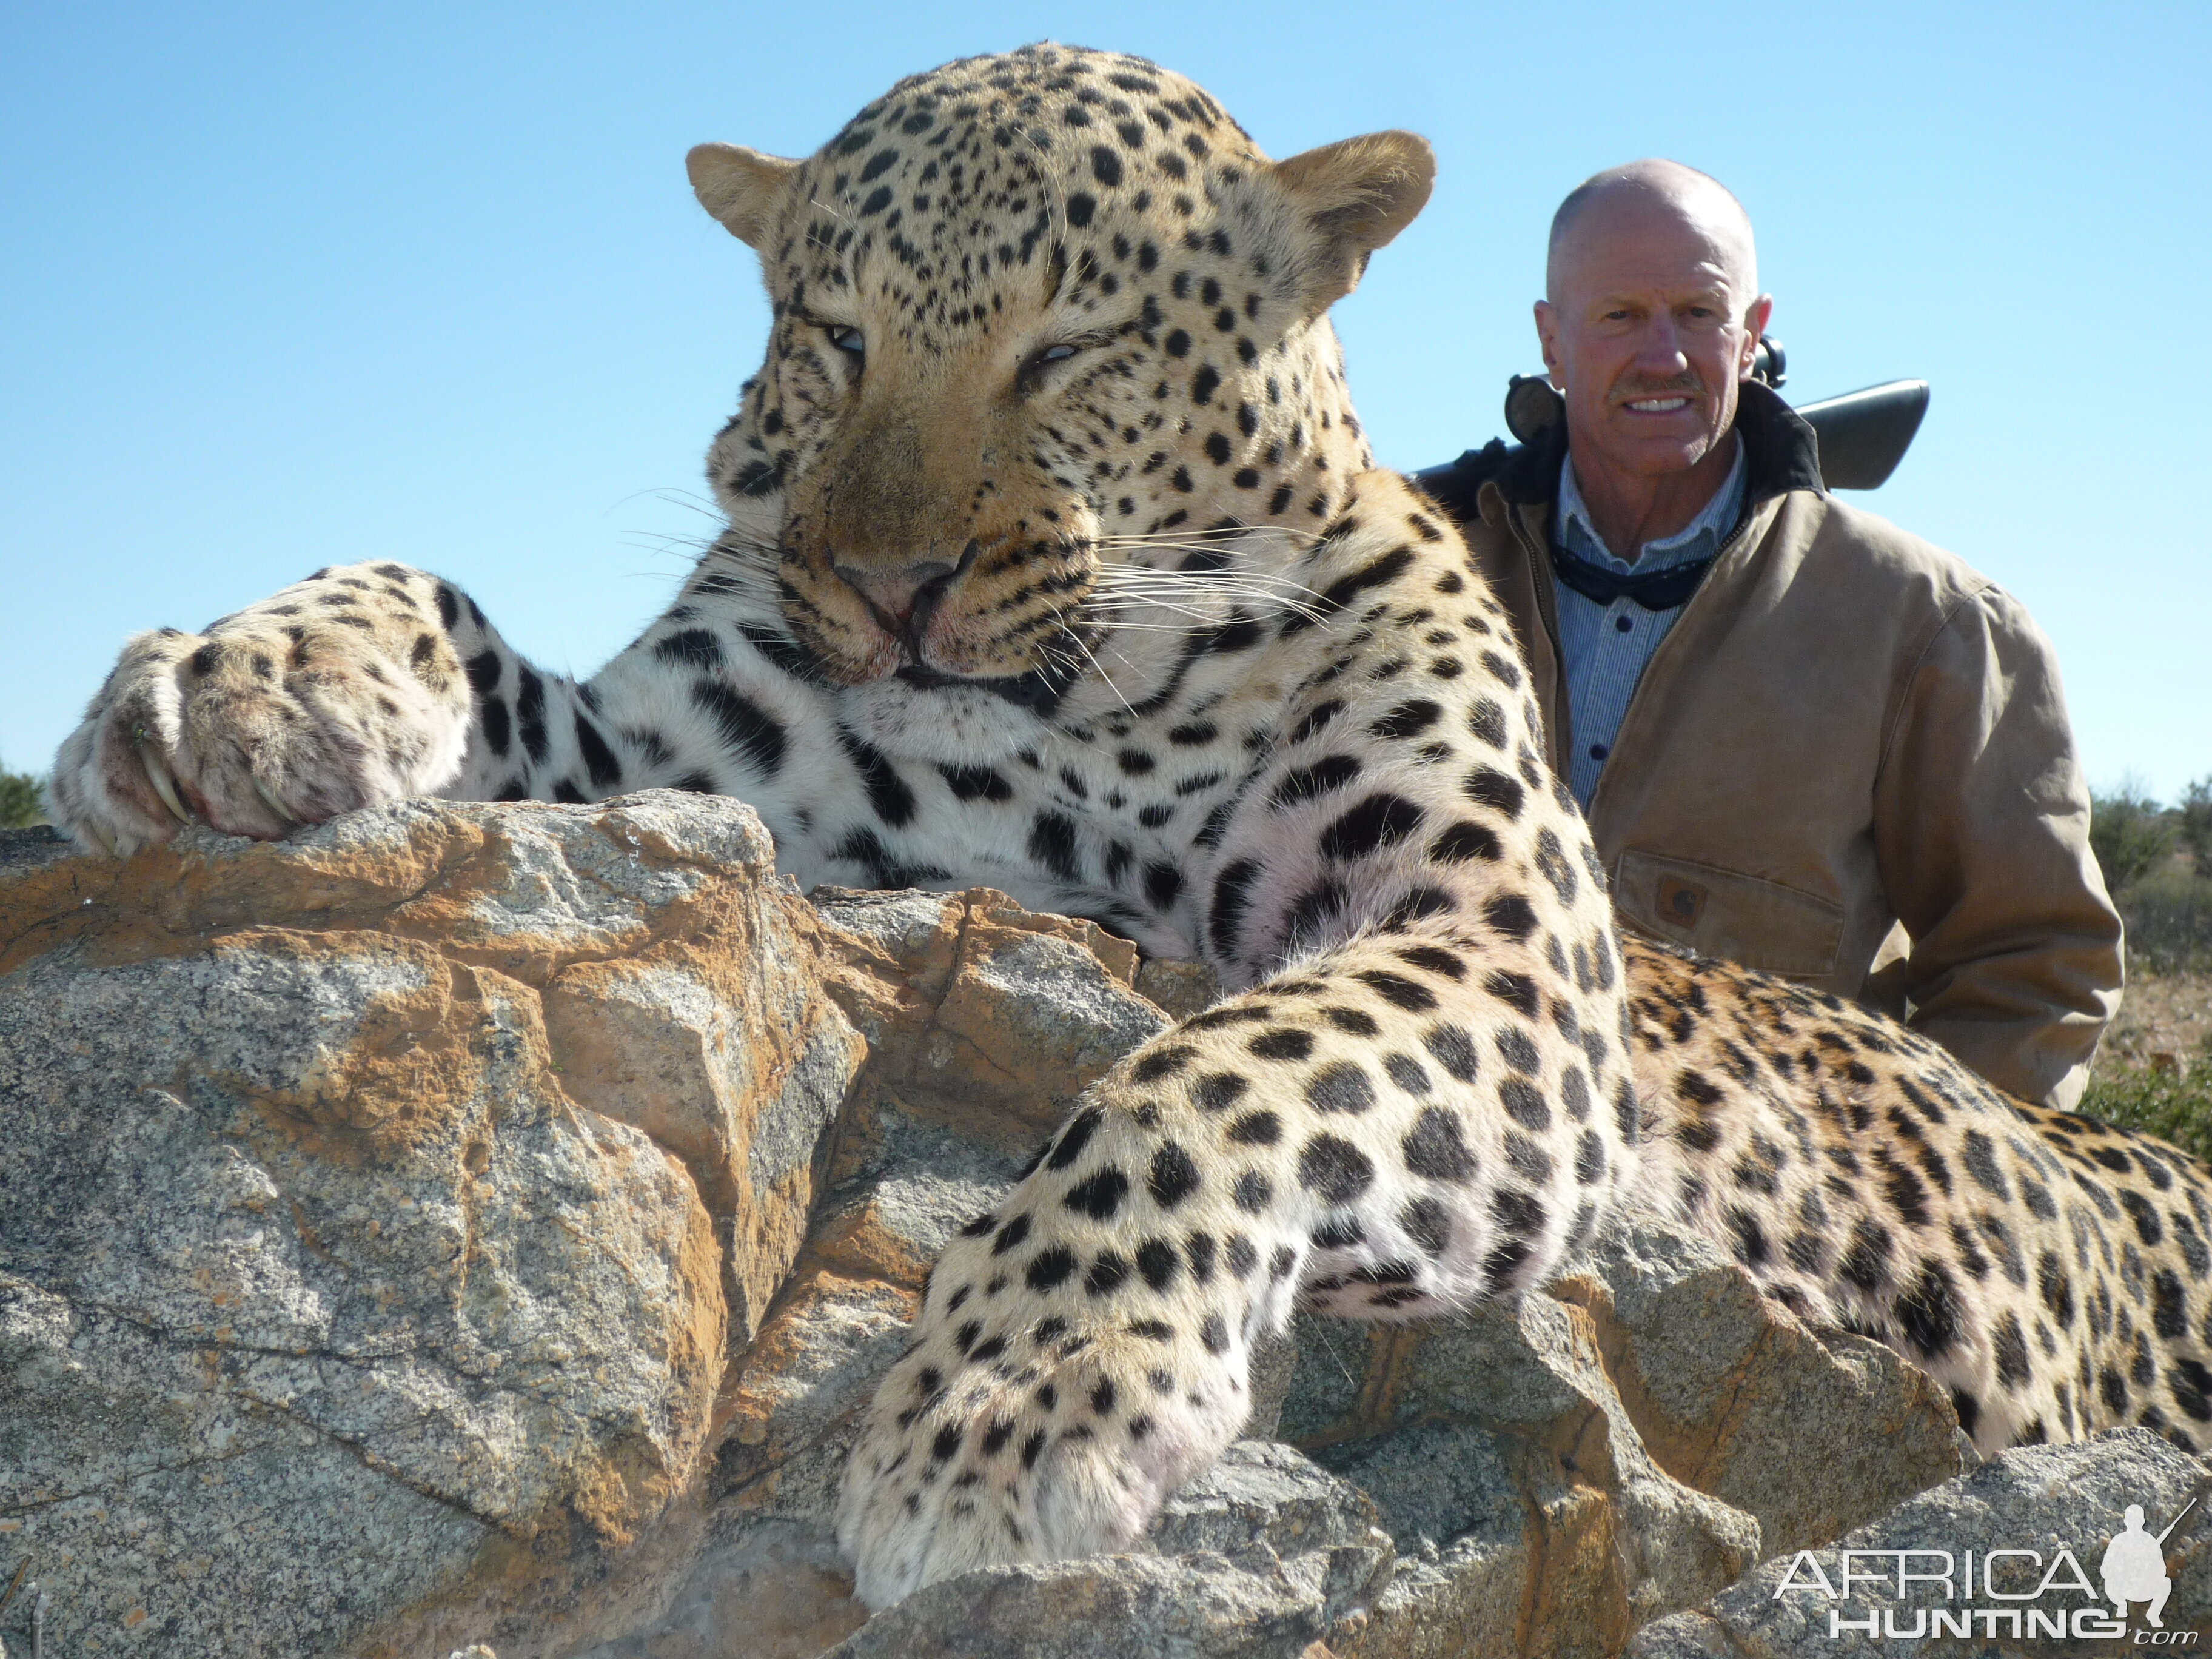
<point>1049,332</point>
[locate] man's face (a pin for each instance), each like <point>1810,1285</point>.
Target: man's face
<point>1651,325</point>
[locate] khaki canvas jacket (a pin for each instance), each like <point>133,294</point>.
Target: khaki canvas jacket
<point>1848,762</point>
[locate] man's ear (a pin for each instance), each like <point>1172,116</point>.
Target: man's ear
<point>1357,195</point>
<point>1754,324</point>
<point>739,187</point>
<point>1547,342</point>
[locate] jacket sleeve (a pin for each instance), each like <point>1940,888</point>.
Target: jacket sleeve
<point>1981,820</point>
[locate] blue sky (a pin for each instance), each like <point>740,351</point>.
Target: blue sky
<point>288,286</point>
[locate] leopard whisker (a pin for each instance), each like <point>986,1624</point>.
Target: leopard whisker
<point>1111,575</point>
<point>1168,572</point>
<point>1186,603</point>
<point>1185,593</point>
<point>690,501</point>
<point>1216,533</point>
<point>1076,640</point>
<point>1135,594</point>
<point>1186,630</point>
<point>1140,573</point>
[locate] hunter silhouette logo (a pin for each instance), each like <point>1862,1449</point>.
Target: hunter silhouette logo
<point>2134,1566</point>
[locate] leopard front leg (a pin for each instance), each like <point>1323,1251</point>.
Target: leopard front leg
<point>1367,1136</point>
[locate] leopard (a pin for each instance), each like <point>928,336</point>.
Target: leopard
<point>1054,557</point>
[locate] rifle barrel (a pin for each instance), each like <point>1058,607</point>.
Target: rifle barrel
<point>2176,1521</point>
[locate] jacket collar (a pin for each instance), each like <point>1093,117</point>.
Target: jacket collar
<point>1781,454</point>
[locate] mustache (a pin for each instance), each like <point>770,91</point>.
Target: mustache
<point>1631,387</point>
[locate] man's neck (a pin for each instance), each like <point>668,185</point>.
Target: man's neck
<point>1629,511</point>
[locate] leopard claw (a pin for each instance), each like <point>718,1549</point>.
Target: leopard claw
<point>164,783</point>
<point>275,806</point>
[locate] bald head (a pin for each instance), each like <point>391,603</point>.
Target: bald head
<point>1630,199</point>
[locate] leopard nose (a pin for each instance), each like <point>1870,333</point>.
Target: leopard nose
<point>895,595</point>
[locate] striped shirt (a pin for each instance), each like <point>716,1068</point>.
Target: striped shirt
<point>1606,647</point>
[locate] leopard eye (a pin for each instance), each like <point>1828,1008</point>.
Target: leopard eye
<point>1040,361</point>
<point>1051,354</point>
<point>845,337</point>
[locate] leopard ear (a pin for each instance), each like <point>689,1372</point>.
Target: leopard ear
<point>1356,195</point>
<point>739,187</point>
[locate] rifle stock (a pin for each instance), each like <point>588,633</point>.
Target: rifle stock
<point>1865,433</point>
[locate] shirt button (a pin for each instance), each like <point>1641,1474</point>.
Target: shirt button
<point>1622,624</point>
<point>1599,751</point>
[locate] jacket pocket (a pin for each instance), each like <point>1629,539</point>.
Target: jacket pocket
<point>1741,918</point>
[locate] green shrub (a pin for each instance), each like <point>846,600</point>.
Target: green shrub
<point>20,805</point>
<point>2163,1103</point>
<point>2131,834</point>
<point>2169,918</point>
<point>2196,828</point>
<point>2157,862</point>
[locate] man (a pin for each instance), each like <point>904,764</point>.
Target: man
<point>1805,741</point>
<point>2133,1568</point>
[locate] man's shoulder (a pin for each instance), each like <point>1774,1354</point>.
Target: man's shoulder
<point>1848,542</point>
<point>1521,473</point>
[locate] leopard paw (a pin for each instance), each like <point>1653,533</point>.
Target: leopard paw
<point>340,692</point>
<point>1017,1430</point>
